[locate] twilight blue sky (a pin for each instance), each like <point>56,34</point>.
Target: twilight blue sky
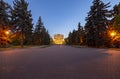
<point>61,16</point>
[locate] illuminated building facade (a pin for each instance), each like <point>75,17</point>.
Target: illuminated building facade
<point>58,39</point>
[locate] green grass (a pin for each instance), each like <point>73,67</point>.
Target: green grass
<point>19,47</point>
<point>78,46</point>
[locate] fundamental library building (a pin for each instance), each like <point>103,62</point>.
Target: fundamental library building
<point>58,38</point>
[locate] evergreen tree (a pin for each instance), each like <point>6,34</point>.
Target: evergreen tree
<point>76,37</point>
<point>4,22</point>
<point>41,35</point>
<point>116,9</point>
<point>97,24</point>
<point>73,38</point>
<point>37,32</point>
<point>51,40</point>
<point>90,38</point>
<point>22,21</point>
<point>80,35</point>
<point>116,23</point>
<point>69,39</point>
<point>45,38</point>
<point>48,38</point>
<point>66,41</point>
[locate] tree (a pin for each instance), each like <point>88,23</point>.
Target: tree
<point>21,20</point>
<point>116,9</point>
<point>4,22</point>
<point>51,40</point>
<point>97,24</point>
<point>73,38</point>
<point>90,35</point>
<point>76,37</point>
<point>41,35</point>
<point>37,32</point>
<point>45,37</point>
<point>116,23</point>
<point>69,42</point>
<point>80,35</point>
<point>29,30</point>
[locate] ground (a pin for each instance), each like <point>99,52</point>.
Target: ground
<point>60,62</point>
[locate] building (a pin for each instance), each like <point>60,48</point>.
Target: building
<point>58,38</point>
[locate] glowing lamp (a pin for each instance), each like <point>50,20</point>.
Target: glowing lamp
<point>113,34</point>
<point>7,32</point>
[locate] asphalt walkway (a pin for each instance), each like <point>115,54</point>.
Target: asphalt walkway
<point>60,62</point>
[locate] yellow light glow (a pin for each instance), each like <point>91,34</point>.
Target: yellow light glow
<point>58,42</point>
<point>113,34</point>
<point>7,32</point>
<point>58,39</point>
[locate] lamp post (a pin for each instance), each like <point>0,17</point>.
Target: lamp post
<point>7,32</point>
<point>7,36</point>
<point>113,34</point>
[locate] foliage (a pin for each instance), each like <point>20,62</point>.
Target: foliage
<point>116,23</point>
<point>97,22</point>
<point>41,35</point>
<point>4,23</point>
<point>22,21</point>
<point>76,37</point>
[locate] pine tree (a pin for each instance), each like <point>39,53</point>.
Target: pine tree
<point>4,22</point>
<point>116,23</point>
<point>116,9</point>
<point>46,38</point>
<point>73,39</point>
<point>76,37</point>
<point>37,32</point>
<point>41,35</point>
<point>90,35</point>
<point>21,20</point>
<point>80,35</point>
<point>69,42</point>
<point>97,24</point>
<point>29,29</point>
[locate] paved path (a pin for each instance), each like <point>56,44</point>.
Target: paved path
<point>60,62</point>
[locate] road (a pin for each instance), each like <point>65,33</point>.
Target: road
<point>60,62</point>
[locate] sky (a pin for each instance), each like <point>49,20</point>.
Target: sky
<point>61,16</point>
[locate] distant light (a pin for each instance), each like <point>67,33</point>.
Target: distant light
<point>113,34</point>
<point>58,38</point>
<point>7,32</point>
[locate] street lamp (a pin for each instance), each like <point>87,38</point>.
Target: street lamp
<point>113,34</point>
<point>7,32</point>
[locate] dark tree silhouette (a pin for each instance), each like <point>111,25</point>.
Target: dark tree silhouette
<point>4,22</point>
<point>76,37</point>
<point>22,21</point>
<point>41,35</point>
<point>97,24</point>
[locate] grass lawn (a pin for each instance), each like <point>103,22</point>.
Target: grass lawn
<point>78,46</point>
<point>19,47</point>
